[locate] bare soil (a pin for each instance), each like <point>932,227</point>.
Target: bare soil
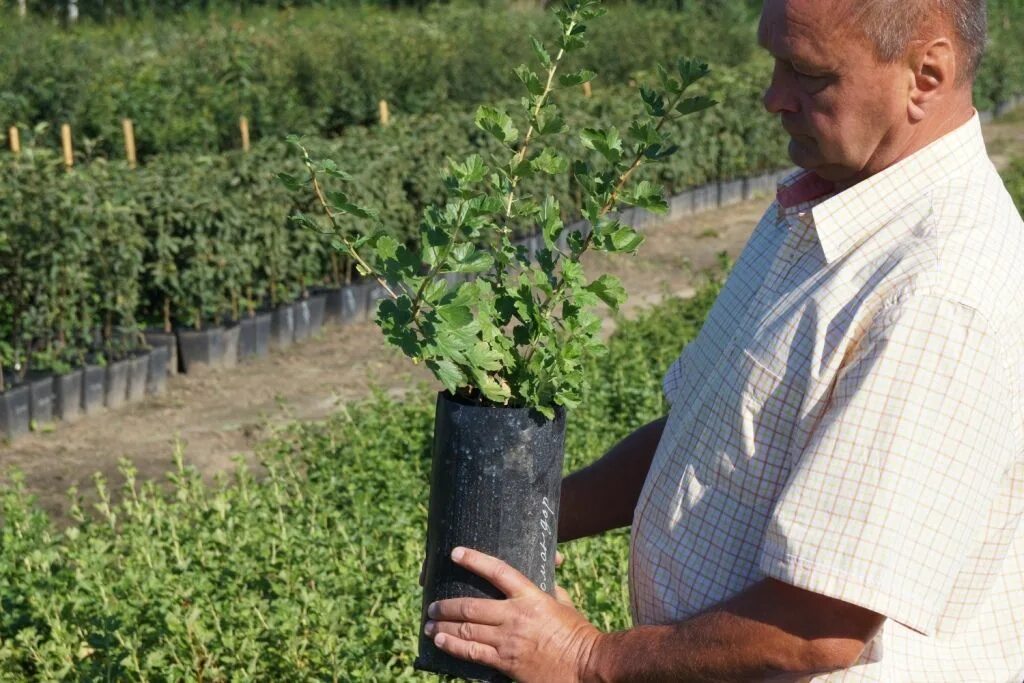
<point>221,414</point>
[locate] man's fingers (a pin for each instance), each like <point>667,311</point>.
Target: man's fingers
<point>485,635</point>
<point>559,559</point>
<point>476,610</point>
<point>501,575</point>
<point>468,650</point>
<point>562,596</point>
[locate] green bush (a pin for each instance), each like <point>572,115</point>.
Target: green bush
<point>316,71</point>
<point>1014,178</point>
<point>308,573</point>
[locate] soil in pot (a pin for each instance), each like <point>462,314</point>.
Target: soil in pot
<point>169,340</point>
<point>41,398</point>
<point>14,409</point>
<point>495,484</point>
<point>156,378</point>
<point>282,327</point>
<point>200,349</point>
<point>137,376</point>
<point>67,404</point>
<point>118,376</point>
<point>94,382</point>
<point>303,318</point>
<point>229,359</point>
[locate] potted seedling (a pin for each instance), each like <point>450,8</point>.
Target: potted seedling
<point>507,346</point>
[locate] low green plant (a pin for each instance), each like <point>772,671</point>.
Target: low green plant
<point>518,333</point>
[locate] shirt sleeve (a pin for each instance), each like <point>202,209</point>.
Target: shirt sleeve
<point>891,492</point>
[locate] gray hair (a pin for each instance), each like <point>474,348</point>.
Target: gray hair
<point>892,24</point>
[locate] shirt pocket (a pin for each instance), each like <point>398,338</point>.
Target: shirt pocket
<point>742,441</point>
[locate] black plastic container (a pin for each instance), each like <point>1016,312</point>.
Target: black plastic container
<point>353,302</point>
<point>282,326</point>
<point>246,339</point>
<point>156,378</point>
<point>14,411</point>
<point>332,304</point>
<point>494,486</point>
<point>374,296</point>
<point>303,319</point>
<point>169,340</point>
<point>137,376</point>
<point>317,305</point>
<point>229,342</point>
<point>94,383</point>
<point>201,349</point>
<point>41,398</point>
<point>67,391</point>
<point>116,389</point>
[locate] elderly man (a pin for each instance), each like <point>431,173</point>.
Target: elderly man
<point>837,491</point>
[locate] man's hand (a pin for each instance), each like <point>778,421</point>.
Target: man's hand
<point>559,559</point>
<point>530,636</point>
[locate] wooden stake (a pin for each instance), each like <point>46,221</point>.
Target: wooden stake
<point>129,141</point>
<point>586,89</point>
<point>12,134</point>
<point>385,116</point>
<point>243,123</point>
<point>65,139</point>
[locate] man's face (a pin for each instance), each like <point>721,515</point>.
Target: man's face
<point>840,105</point>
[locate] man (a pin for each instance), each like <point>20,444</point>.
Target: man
<point>837,491</point>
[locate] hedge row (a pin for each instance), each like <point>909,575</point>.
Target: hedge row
<point>185,82</point>
<point>308,573</point>
<point>192,240</point>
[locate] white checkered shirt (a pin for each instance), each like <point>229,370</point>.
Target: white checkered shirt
<point>849,421</point>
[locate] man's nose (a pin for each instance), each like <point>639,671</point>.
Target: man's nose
<point>780,96</point>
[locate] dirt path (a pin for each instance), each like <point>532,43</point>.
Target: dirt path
<point>224,413</point>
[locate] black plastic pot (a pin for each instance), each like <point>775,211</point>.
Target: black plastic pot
<point>67,388</point>
<point>201,349</point>
<point>375,295</point>
<point>494,487</point>
<point>353,302</point>
<point>14,411</point>
<point>317,310</point>
<point>94,384</point>
<point>41,398</point>
<point>116,391</point>
<point>282,326</point>
<point>230,341</point>
<point>332,304</point>
<point>169,340</point>
<point>156,378</point>
<point>246,338</point>
<point>138,374</point>
<point>303,320</point>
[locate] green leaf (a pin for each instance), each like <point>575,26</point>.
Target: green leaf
<point>654,102</point>
<point>290,181</point>
<point>692,105</point>
<point>465,259</point>
<point>455,314</point>
<point>626,239</point>
<point>449,373</point>
<point>530,80</point>
<point>497,123</point>
<point>340,201</point>
<point>386,247</point>
<point>550,221</point>
<point>542,55</point>
<point>691,71</point>
<point>550,162</point>
<point>576,78</point>
<point>606,142</point>
<point>609,289</point>
<point>648,196</point>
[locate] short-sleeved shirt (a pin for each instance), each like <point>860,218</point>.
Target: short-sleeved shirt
<point>849,421</point>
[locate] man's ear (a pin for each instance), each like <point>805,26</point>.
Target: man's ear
<point>933,67</point>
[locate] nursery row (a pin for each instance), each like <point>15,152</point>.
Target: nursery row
<point>308,573</point>
<point>314,70</point>
<point>89,256</point>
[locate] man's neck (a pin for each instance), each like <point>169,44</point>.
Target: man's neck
<point>912,139</point>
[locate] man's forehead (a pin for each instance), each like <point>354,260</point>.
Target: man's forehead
<point>806,24</point>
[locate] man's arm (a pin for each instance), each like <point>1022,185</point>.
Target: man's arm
<point>603,496</point>
<point>771,632</point>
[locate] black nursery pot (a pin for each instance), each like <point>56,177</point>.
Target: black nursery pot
<point>42,398</point>
<point>137,375</point>
<point>118,375</point>
<point>282,326</point>
<point>156,378</point>
<point>494,487</point>
<point>94,382</point>
<point>200,349</point>
<point>68,391</point>
<point>303,320</point>
<point>157,338</point>
<point>317,310</point>
<point>230,341</point>
<point>14,411</point>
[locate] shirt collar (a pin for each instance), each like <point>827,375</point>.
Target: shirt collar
<point>844,220</point>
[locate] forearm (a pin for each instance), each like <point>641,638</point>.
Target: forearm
<point>768,633</point>
<point>603,496</point>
